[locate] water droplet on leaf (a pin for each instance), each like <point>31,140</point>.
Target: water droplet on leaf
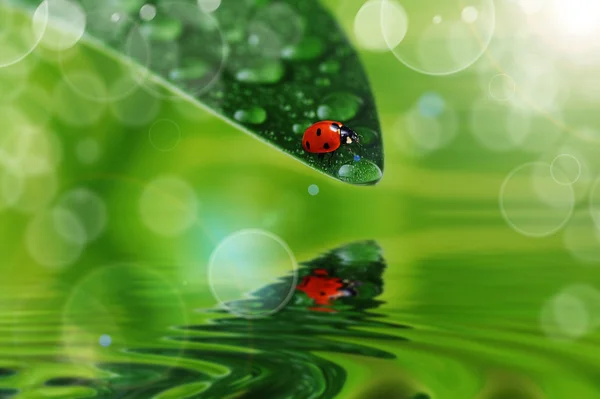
<point>330,67</point>
<point>339,106</point>
<point>254,115</point>
<point>361,172</point>
<point>308,49</point>
<point>322,82</point>
<point>270,72</point>
<point>300,127</point>
<point>196,70</point>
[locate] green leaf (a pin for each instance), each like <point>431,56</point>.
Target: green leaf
<point>270,67</point>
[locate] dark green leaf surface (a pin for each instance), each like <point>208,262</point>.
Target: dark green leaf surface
<point>271,67</point>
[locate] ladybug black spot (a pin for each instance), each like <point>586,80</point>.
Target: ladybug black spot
<point>326,146</point>
<point>322,293</point>
<point>318,132</point>
<point>308,145</point>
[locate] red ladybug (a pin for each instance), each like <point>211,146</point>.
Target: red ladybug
<point>323,289</point>
<point>327,136</point>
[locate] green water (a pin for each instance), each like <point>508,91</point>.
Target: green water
<point>463,307</point>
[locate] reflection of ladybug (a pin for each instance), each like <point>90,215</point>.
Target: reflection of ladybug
<point>327,136</point>
<point>322,288</point>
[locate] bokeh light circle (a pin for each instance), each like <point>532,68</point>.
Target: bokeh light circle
<point>530,7</point>
<point>88,151</point>
<point>73,108</point>
<point>368,25</point>
<point>582,238</point>
<point>572,313</point>
<point>489,123</point>
<point>247,261</point>
<point>164,135</point>
<point>123,35</point>
<point>533,203</point>
<point>53,238</point>
<point>90,210</point>
<point>313,189</point>
<point>66,22</point>
<point>595,203</point>
<point>96,316</point>
<point>194,74</point>
<point>502,87</point>
<point>18,35</point>
<point>168,206</point>
<point>139,107</point>
<point>428,126</point>
<point>438,40</point>
<point>209,6</point>
<point>147,12</point>
<point>565,169</point>
<point>469,14</point>
<point>37,192</point>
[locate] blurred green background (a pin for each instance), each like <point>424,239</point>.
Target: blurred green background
<point>487,211</point>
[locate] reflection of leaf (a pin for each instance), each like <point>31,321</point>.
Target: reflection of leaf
<point>271,67</point>
<point>359,261</point>
<point>285,343</point>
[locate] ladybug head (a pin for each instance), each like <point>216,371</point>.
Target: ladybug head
<point>349,136</point>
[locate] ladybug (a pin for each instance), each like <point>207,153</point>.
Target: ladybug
<point>327,136</point>
<point>322,288</point>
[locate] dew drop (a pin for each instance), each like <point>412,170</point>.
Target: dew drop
<point>308,49</point>
<point>339,106</point>
<point>273,27</point>
<point>322,82</point>
<point>253,115</point>
<point>270,72</point>
<point>300,127</point>
<point>313,189</point>
<point>330,67</point>
<point>361,172</point>
<point>197,70</point>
